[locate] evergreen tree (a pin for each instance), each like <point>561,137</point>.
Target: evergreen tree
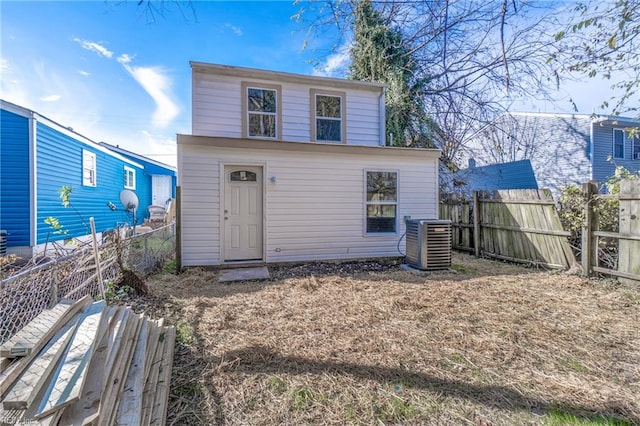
<point>380,54</point>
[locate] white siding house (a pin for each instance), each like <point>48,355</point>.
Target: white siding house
<point>283,167</point>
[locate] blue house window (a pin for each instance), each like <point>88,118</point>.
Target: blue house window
<point>129,178</point>
<point>88,168</point>
<point>618,143</point>
<point>636,147</point>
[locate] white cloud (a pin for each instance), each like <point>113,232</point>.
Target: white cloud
<point>336,64</point>
<point>125,58</point>
<point>236,30</point>
<point>83,72</point>
<point>12,88</point>
<point>158,86</point>
<point>51,98</point>
<point>94,47</point>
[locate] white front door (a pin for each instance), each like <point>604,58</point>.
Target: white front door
<point>160,189</point>
<point>242,213</point>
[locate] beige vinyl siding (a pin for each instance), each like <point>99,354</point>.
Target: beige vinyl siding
<point>200,210</point>
<point>217,110</point>
<point>363,119</point>
<point>315,209</point>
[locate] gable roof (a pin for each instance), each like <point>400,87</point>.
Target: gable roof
<point>548,119</point>
<point>68,131</point>
<point>285,76</point>
<point>155,166</point>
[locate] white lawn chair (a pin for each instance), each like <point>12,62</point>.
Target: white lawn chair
<point>159,213</point>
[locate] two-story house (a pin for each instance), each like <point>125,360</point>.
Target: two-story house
<point>563,149</point>
<point>283,167</point>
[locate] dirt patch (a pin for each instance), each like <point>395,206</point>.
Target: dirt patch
<point>369,343</point>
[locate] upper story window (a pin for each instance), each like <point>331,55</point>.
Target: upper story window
<point>381,202</point>
<point>88,168</point>
<point>261,111</point>
<point>328,116</point>
<point>129,178</point>
<point>618,143</point>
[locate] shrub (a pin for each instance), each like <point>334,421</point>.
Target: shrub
<point>606,211</point>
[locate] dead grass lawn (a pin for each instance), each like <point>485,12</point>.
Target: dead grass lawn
<point>493,344</point>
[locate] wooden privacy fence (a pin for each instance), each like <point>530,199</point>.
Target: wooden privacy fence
<point>627,237</point>
<point>517,225</point>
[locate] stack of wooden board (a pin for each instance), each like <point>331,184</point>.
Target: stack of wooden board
<point>83,363</point>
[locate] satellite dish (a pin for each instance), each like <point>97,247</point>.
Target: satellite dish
<point>129,199</point>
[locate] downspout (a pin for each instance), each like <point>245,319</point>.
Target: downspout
<point>383,118</point>
<point>33,183</point>
<point>437,170</point>
<point>591,151</point>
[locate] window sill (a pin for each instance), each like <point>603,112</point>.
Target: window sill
<point>380,234</point>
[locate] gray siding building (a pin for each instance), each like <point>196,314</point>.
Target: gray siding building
<point>563,149</point>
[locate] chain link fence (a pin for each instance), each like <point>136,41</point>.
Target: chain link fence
<point>28,292</point>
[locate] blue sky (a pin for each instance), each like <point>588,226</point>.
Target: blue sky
<point>113,74</point>
<point>117,75</point>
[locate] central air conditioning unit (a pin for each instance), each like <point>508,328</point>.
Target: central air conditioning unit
<point>428,244</point>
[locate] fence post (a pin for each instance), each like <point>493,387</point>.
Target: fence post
<point>54,286</point>
<point>629,225</point>
<point>589,189</point>
<point>97,257</point>
<point>178,229</point>
<point>476,223</point>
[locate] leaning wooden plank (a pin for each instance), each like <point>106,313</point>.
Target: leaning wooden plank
<point>155,345</point>
<point>161,396</point>
<point>11,372</point>
<point>36,334</point>
<point>152,381</point>
<point>10,417</point>
<point>125,371</point>
<point>66,385</point>
<point>111,395</point>
<point>6,363</point>
<point>109,402</point>
<point>130,407</point>
<point>26,388</point>
<point>152,344</point>
<point>83,410</point>
<point>51,420</point>
<point>23,342</point>
<point>8,376</point>
<point>117,331</point>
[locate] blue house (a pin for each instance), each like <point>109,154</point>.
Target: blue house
<point>160,178</point>
<point>37,158</point>
<point>563,149</point>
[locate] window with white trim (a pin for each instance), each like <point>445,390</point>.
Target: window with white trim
<point>636,147</point>
<point>129,178</point>
<point>88,168</point>
<point>262,112</point>
<point>618,143</point>
<point>327,116</point>
<point>381,202</point>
